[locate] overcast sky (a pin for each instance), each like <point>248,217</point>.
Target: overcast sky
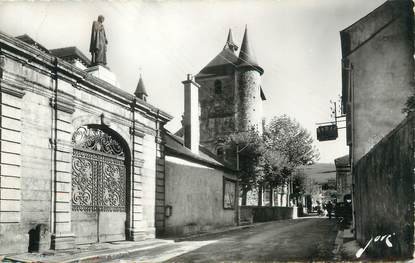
<point>297,42</point>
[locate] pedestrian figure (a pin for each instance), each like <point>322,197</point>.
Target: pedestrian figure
<point>329,208</point>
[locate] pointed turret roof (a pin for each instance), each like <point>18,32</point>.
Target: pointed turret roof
<point>229,42</point>
<point>141,89</point>
<point>224,60</point>
<point>247,56</point>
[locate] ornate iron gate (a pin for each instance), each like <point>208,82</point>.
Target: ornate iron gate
<point>98,187</point>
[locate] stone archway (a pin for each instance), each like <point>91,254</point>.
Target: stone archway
<point>99,185</point>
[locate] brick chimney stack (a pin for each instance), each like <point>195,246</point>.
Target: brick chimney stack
<point>191,114</point>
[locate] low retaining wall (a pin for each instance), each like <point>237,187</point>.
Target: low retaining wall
<point>254,214</point>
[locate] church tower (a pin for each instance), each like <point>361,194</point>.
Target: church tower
<point>230,94</point>
<point>249,92</point>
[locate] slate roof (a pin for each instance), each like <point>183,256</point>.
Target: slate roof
<point>174,146</point>
<point>141,89</point>
<point>230,44</point>
<point>228,60</point>
<point>28,40</point>
<point>247,56</point>
<point>225,59</point>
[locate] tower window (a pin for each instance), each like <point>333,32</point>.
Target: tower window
<point>218,87</point>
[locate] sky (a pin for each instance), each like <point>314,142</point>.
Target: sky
<point>297,43</point>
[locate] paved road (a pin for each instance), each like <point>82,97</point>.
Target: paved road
<point>293,240</point>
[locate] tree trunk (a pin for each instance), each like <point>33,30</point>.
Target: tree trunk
<point>244,193</point>
<point>260,195</point>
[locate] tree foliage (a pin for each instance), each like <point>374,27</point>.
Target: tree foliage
<point>249,145</point>
<point>289,146</point>
<point>292,141</point>
<point>409,105</point>
<point>273,156</point>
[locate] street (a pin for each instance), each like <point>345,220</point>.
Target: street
<point>294,240</point>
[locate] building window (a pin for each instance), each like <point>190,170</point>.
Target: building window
<point>229,191</point>
<point>218,87</point>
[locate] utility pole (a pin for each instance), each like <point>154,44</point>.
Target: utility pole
<point>238,209</point>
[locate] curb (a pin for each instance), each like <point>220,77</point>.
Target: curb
<point>110,255</point>
<point>339,243</point>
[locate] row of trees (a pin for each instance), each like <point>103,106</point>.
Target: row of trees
<point>272,157</point>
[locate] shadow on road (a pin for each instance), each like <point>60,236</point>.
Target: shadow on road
<point>310,238</point>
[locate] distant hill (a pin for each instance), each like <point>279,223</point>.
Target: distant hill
<point>320,172</point>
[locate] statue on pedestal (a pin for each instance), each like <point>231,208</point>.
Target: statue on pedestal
<point>98,46</point>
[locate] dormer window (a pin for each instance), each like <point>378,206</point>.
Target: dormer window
<point>218,87</point>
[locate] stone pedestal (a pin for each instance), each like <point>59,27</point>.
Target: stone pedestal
<point>103,73</point>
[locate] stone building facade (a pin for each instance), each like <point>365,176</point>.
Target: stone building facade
<point>378,78</point>
<point>231,101</point>
<point>79,156</point>
<point>343,178</point>
<point>230,94</point>
<point>197,191</point>
<point>377,74</point>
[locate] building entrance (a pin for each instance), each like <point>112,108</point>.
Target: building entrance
<point>98,187</point>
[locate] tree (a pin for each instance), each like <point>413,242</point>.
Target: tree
<point>249,145</point>
<point>292,146</point>
<point>290,140</point>
<point>299,184</point>
<point>409,105</point>
<point>272,157</point>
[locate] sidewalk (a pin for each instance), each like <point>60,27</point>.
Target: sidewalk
<point>89,253</point>
<point>346,247</point>
<point>109,251</point>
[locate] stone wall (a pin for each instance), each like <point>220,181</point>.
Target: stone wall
<point>249,102</point>
<point>257,214</point>
<point>195,193</point>
<point>384,193</point>
<point>43,101</point>
<point>217,111</point>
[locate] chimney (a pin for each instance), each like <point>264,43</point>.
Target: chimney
<point>191,114</point>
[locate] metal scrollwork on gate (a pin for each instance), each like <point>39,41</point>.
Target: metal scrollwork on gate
<point>96,140</point>
<point>98,172</point>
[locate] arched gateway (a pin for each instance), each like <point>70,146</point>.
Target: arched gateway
<point>99,186</point>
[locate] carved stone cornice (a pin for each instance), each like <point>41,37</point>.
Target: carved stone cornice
<point>137,132</point>
<point>63,102</point>
<point>12,88</point>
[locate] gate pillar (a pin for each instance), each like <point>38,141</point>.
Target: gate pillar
<point>63,108</point>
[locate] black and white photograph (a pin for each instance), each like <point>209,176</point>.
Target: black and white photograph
<point>207,131</point>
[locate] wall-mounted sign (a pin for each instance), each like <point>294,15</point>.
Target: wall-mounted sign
<point>327,133</point>
<point>229,191</point>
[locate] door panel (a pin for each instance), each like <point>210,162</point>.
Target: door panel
<point>111,226</point>
<point>84,225</point>
<point>98,197</point>
<point>111,200</point>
